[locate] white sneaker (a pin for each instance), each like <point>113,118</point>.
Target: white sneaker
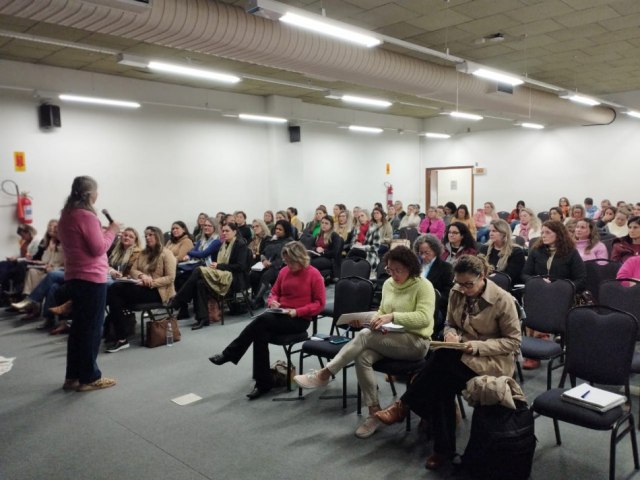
<point>310,380</point>
<point>368,427</point>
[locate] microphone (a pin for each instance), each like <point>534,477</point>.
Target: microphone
<point>105,212</point>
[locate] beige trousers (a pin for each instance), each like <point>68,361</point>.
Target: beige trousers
<point>370,346</point>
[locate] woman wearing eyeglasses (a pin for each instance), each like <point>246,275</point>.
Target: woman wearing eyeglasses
<point>407,300</point>
<point>483,318</point>
<point>458,241</point>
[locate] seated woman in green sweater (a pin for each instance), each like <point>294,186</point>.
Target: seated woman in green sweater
<point>408,300</point>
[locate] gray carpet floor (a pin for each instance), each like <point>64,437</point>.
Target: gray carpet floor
<point>133,430</point>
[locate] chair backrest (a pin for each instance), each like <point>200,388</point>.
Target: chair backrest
<point>409,233</point>
<point>520,241</point>
<point>308,241</point>
<point>598,271</point>
<point>352,294</point>
<point>600,342</point>
<point>355,267</point>
<point>546,304</point>
<point>503,215</point>
<point>503,280</point>
<point>623,294</point>
<point>543,216</point>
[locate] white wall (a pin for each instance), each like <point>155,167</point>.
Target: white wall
<point>541,166</point>
<point>161,162</point>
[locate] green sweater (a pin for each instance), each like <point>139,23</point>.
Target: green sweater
<point>412,304</point>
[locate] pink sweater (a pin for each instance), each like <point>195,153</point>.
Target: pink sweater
<point>598,251</point>
<point>302,290</point>
<point>436,227</point>
<point>85,246</point>
<point>630,269</point>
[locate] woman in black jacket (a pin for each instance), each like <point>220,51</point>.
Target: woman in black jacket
<point>554,256</point>
<point>502,253</point>
<point>227,273</point>
<point>440,273</point>
<point>327,246</point>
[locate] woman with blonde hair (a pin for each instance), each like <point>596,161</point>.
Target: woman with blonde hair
<point>502,253</point>
<point>482,218</point>
<point>299,294</point>
<point>529,226</point>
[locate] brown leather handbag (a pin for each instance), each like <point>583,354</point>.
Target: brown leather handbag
<point>157,331</point>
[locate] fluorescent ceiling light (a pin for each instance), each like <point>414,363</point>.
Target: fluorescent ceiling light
<point>330,29</point>
<point>373,102</point>
<point>193,72</point>
<point>435,135</point>
<point>358,128</point>
<point>535,126</point>
<point>261,118</point>
<point>632,113</point>
<point>99,101</point>
<point>466,116</point>
<point>497,76</point>
<point>574,97</point>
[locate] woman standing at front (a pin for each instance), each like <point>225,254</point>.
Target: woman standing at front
<point>483,317</point>
<point>86,270</point>
<point>299,290</point>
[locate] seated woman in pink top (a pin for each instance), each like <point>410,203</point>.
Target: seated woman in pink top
<point>433,224</point>
<point>300,294</point>
<point>482,218</point>
<point>588,241</point>
<point>630,269</point>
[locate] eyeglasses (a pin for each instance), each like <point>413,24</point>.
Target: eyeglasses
<point>454,233</point>
<point>391,271</point>
<point>467,285</point>
<point>425,253</point>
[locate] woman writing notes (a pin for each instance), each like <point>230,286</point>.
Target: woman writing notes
<point>299,291</point>
<point>408,300</point>
<point>86,270</point>
<point>483,324</point>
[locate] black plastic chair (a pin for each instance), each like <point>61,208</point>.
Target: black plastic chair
<point>351,267</point>
<point>241,288</point>
<point>409,233</point>
<point>520,241</point>
<point>546,306</point>
<point>598,271</point>
<point>623,294</point>
<point>543,216</point>
<point>503,280</point>
<point>599,346</point>
<point>352,294</point>
<point>503,215</point>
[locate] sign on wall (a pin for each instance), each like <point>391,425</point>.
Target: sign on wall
<point>19,162</point>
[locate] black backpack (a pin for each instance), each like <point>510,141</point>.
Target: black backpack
<point>501,444</point>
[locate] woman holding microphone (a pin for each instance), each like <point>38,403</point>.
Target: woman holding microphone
<point>86,268</point>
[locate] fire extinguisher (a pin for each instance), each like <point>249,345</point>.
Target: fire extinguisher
<point>24,211</point>
<point>389,193</point>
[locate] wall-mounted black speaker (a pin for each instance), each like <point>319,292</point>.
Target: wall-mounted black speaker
<point>294,134</point>
<point>49,116</point>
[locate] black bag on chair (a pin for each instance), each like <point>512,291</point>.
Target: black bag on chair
<point>501,444</point>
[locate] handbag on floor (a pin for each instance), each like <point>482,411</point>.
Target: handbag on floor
<point>213,307</point>
<point>279,373</point>
<point>157,332</point>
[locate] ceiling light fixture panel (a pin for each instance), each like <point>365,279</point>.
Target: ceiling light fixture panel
<point>99,101</point>
<point>359,128</point>
<point>193,72</point>
<point>372,102</point>
<point>581,99</point>
<point>466,116</point>
<point>261,118</point>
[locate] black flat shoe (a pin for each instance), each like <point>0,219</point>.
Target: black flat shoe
<point>219,359</point>
<point>256,393</point>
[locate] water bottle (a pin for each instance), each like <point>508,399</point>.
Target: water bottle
<point>169,335</point>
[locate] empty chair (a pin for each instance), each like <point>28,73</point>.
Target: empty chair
<point>598,271</point>
<point>357,267</point>
<point>501,279</point>
<point>546,305</point>
<point>599,345</point>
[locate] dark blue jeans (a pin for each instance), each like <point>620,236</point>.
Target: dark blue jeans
<point>89,301</point>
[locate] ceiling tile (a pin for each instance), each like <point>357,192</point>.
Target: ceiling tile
<point>401,30</point>
<point>626,7</point>
<point>623,22</point>
<point>534,28</point>
<point>583,17</point>
<point>438,20</point>
<point>540,11</point>
<point>488,25</point>
<point>485,8</point>
<point>384,15</point>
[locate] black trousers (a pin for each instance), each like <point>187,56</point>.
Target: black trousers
<point>258,333</point>
<point>121,296</point>
<point>433,392</point>
<point>196,289</point>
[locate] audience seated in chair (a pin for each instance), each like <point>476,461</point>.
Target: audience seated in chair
<point>179,242</point>
<point>198,230</point>
<point>269,220</point>
<point>458,241</point>
<point>299,291</point>
<point>618,226</point>
<point>13,269</point>
<point>501,251</point>
<point>262,280</point>
<point>529,226</point>
<point>407,300</point>
<point>483,317</point>
<point>155,271</point>
<point>629,245</point>
<point>313,227</point>
<point>244,230</point>
<point>588,241</point>
<point>462,215</point>
<point>376,240</point>
<point>482,218</point>
<point>327,248</point>
<point>215,279</point>
<point>432,224</point>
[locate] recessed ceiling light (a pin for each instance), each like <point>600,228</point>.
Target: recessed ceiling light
<point>358,128</point>
<point>99,101</point>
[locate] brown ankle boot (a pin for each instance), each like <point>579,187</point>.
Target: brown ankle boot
<point>396,413</point>
<point>64,309</point>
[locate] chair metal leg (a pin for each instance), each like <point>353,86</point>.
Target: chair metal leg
<point>612,454</point>
<point>519,369</point>
<point>287,351</point>
<point>463,413</point>
<point>392,385</point>
<point>634,443</point>
<point>359,409</point>
<point>556,428</point>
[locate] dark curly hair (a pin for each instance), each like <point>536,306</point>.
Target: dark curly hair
<point>404,256</point>
<point>564,243</point>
